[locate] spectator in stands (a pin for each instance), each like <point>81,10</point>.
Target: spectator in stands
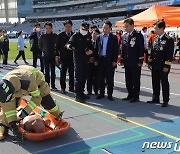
<point>82,46</point>
<point>5,46</point>
<point>47,44</point>
<point>92,67</point>
<point>107,48</point>
<point>144,33</point>
<point>66,57</point>
<point>37,53</point>
<point>21,46</point>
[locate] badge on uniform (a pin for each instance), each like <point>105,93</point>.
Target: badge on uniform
<point>163,42</point>
<point>132,42</point>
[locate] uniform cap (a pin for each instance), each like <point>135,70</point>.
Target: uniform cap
<point>85,26</point>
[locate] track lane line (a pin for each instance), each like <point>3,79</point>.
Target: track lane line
<point>116,116</point>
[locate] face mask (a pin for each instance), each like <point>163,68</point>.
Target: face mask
<point>83,32</point>
<point>38,29</point>
<point>5,34</point>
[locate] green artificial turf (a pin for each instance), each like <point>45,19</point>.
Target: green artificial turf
<point>14,52</point>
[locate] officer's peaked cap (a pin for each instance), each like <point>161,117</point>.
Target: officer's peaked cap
<point>85,26</point>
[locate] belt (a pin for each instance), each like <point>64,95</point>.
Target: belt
<point>103,56</point>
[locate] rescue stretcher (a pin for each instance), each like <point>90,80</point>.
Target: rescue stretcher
<point>54,129</point>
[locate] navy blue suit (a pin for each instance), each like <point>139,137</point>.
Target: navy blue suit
<point>105,67</point>
<point>133,51</point>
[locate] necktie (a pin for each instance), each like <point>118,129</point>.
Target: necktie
<point>159,40</point>
<point>94,44</point>
<point>129,37</point>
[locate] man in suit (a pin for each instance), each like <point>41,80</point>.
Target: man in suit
<point>37,53</point>
<point>133,50</point>
<point>160,63</point>
<point>66,57</point>
<point>107,48</point>
<point>47,44</point>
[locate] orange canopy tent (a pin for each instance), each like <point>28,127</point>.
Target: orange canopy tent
<point>172,17</point>
<point>172,13</point>
<point>152,15</point>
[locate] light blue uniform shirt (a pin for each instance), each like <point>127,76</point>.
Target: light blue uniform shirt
<point>20,43</point>
<point>104,43</point>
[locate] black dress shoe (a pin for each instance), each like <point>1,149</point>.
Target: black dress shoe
<point>165,104</point>
<point>99,96</point>
<point>63,91</point>
<point>134,100</point>
<point>80,99</point>
<point>153,101</point>
<point>71,90</point>
<point>85,96</point>
<point>127,98</point>
<point>110,98</point>
<point>89,93</point>
<point>54,88</point>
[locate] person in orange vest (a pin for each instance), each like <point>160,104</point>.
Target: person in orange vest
<point>151,39</point>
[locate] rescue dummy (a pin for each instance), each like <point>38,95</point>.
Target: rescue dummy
<point>34,124</point>
<point>23,81</point>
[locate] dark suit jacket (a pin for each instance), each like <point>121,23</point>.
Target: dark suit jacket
<point>133,49</point>
<point>62,51</point>
<point>162,52</point>
<point>35,40</point>
<point>112,48</point>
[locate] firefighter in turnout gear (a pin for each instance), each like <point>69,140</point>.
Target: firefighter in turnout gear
<point>160,63</point>
<point>23,81</point>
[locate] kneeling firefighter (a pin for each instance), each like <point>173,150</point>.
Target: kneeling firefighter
<point>23,81</point>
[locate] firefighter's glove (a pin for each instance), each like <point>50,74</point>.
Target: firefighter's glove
<point>17,136</point>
